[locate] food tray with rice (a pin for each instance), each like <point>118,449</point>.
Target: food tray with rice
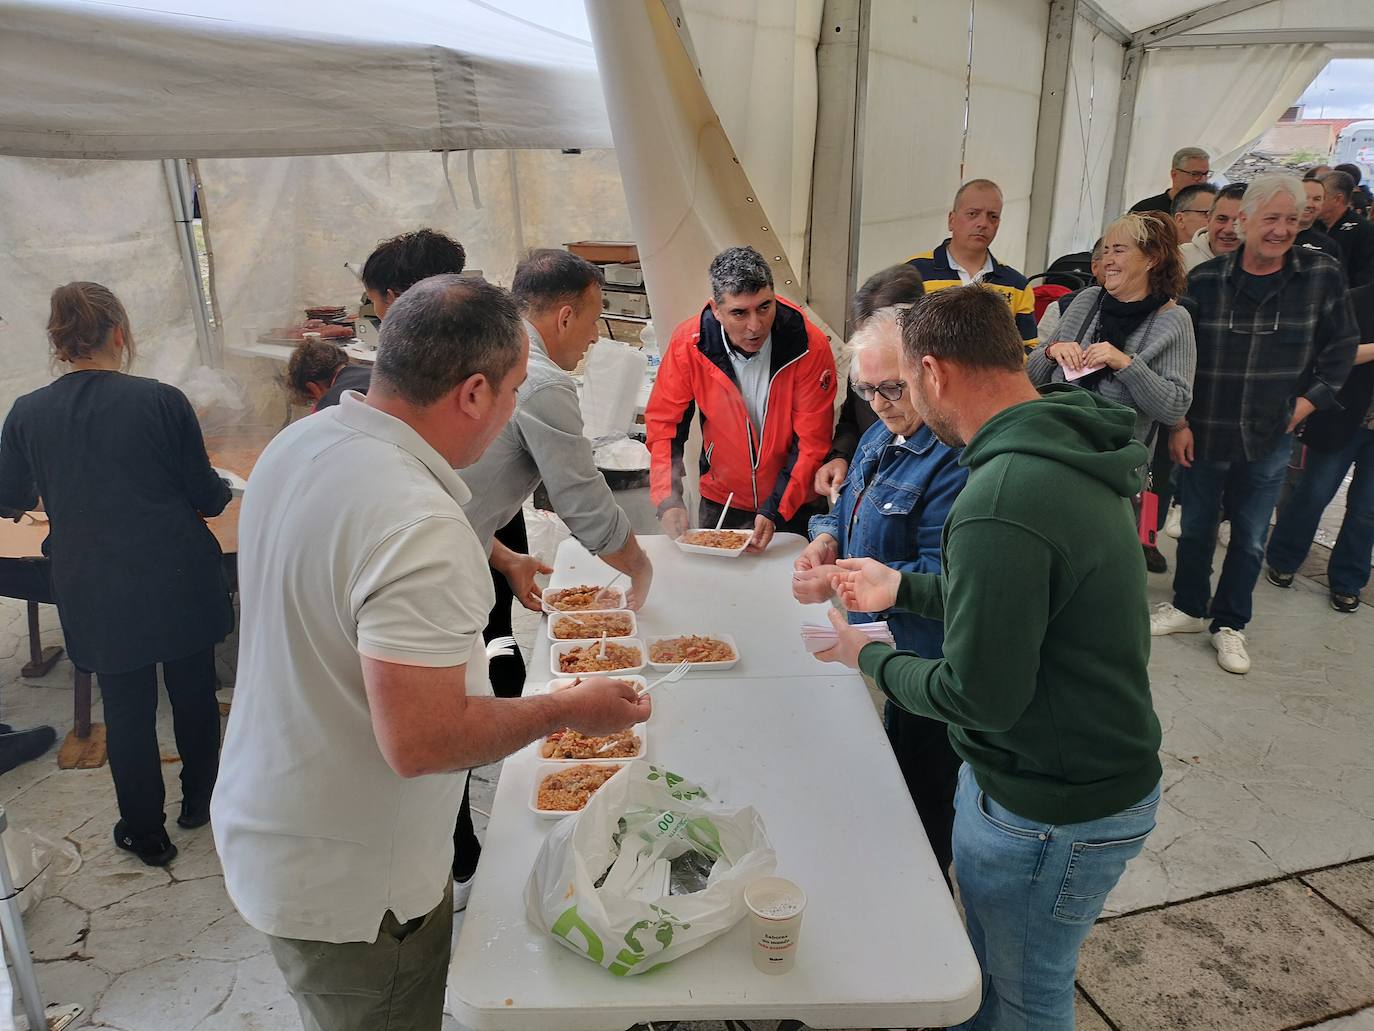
<point>721,543</point>
<point>587,626</point>
<point>561,790</point>
<point>583,598</point>
<point>569,746</point>
<point>703,651</point>
<point>622,655</point>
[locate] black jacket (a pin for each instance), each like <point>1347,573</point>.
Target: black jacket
<point>1355,239</point>
<point>121,467</point>
<point>1160,202</point>
<point>1331,430</point>
<point>1313,238</point>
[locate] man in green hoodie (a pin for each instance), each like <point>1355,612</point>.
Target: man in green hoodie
<point>1044,682</point>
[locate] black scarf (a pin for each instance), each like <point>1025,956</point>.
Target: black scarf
<point>1117,320</point>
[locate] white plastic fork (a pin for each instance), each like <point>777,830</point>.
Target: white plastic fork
<point>499,647</point>
<point>671,677</point>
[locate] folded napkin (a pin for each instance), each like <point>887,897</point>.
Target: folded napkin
<point>817,638</point>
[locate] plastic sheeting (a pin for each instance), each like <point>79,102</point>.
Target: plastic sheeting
<point>109,222</point>
<point>916,153</point>
<point>199,78</point>
<point>917,85</point>
<point>689,196</point>
<point>1258,84</point>
<point>769,61</point>
<point>282,228</point>
<point>1004,112</point>
<point>1086,139</point>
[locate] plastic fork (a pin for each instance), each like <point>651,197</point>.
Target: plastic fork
<point>671,677</point>
<point>499,647</point>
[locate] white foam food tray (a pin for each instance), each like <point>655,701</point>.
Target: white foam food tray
<point>558,648</point>
<point>724,664</point>
<point>618,602</point>
<point>543,770</point>
<point>558,618</point>
<point>700,549</point>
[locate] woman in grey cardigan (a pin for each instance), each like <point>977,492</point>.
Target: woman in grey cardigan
<point>1128,340</point>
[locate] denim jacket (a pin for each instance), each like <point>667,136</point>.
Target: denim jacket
<point>892,508</point>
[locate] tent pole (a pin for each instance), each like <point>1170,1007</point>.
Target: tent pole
<point>832,252</point>
<point>1125,126</point>
<point>1054,92</point>
<point>181,192</point>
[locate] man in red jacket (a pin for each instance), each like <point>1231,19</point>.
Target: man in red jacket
<point>763,378</point>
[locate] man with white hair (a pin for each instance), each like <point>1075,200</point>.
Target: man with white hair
<point>1276,339</point>
<point>1191,165</point>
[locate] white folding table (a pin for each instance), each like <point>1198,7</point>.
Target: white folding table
<point>881,944</point>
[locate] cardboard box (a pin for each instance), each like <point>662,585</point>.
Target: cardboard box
<point>605,251</point>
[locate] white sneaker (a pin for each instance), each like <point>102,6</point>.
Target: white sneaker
<point>1166,619</point>
<point>1231,654</point>
<point>462,890</point>
<point>1224,534</point>
<point>1173,526</point>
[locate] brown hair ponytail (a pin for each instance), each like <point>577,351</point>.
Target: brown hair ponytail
<point>82,318</point>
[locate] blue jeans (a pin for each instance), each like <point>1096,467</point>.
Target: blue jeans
<point>1031,892</point>
<point>1254,491</point>
<point>1297,525</point>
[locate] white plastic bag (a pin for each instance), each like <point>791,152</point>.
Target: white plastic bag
<point>34,858</point>
<point>611,383</point>
<point>598,885</point>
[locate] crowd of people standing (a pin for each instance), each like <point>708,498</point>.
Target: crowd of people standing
<point>974,447</point>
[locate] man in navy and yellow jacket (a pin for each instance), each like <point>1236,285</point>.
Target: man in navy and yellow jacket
<point>965,257</point>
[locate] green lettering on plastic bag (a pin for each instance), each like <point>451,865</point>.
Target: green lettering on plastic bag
<point>570,921</point>
<point>675,784</point>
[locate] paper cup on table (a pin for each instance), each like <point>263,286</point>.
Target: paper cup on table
<point>775,915</point>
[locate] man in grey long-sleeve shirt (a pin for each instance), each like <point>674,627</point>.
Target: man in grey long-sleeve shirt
<point>543,442</point>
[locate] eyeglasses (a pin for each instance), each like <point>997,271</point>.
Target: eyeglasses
<point>1197,177</point>
<point>892,389</point>
<point>1193,211</point>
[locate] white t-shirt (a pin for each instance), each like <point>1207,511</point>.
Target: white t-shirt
<point>352,540</point>
<point>965,276</point>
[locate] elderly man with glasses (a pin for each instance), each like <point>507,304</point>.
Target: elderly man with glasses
<point>1276,339</point>
<point>1191,165</point>
<point>892,508</point>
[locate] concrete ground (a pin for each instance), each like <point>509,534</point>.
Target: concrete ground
<point>1251,908</point>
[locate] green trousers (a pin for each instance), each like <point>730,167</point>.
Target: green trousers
<point>395,983</point>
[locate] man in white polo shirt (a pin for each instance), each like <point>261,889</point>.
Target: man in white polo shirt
<point>362,690</point>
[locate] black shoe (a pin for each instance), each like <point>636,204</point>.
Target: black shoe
<point>1154,561</point>
<point>1284,580</point>
<point>155,849</point>
<point>19,746</point>
<point>1345,602</point>
<point>193,816</point>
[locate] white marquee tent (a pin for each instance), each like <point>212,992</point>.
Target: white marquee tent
<point>830,133</point>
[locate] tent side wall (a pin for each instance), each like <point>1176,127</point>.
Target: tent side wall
<point>109,222</point>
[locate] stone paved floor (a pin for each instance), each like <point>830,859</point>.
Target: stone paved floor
<point>1252,906</point>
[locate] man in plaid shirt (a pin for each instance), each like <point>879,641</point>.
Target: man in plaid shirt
<point>1276,339</point>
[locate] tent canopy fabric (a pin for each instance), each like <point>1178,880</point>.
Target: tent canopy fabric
<point>259,78</point>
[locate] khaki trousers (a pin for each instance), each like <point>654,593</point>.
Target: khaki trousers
<point>393,984</point>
